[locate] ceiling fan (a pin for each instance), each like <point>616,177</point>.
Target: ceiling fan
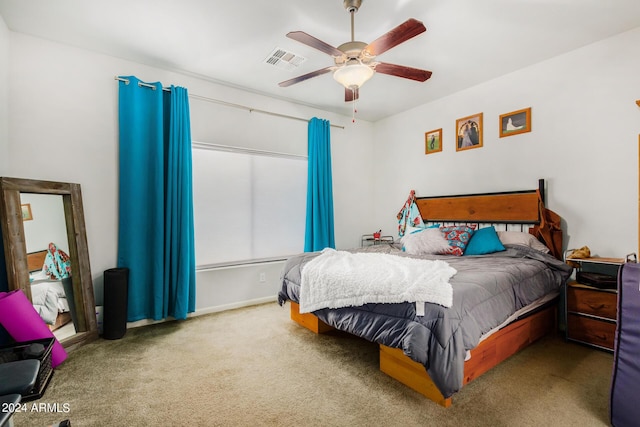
<point>355,61</point>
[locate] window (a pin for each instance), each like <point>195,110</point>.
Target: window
<point>248,205</point>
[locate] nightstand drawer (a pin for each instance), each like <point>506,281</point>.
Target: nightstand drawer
<point>590,330</point>
<point>593,302</point>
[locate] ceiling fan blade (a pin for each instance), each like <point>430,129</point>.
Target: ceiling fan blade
<point>403,71</point>
<point>351,95</point>
<point>315,43</point>
<point>402,33</point>
<point>304,77</point>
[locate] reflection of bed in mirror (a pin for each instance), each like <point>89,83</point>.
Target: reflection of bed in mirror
<point>49,297</point>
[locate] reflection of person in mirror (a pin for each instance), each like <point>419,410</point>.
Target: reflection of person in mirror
<point>57,264</point>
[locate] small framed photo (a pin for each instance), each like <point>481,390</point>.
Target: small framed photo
<point>26,212</point>
<point>433,141</point>
<point>469,132</point>
<point>515,122</point>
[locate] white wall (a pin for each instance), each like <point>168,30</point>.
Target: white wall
<point>4,96</point>
<point>48,224</point>
<point>584,142</point>
<point>63,127</point>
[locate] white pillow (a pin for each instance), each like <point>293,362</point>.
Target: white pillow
<point>425,241</point>
<point>521,238</point>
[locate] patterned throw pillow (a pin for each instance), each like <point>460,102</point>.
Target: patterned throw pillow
<point>458,237</point>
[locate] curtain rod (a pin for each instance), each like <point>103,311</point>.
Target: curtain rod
<point>232,149</point>
<point>228,104</point>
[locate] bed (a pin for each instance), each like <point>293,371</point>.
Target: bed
<point>501,300</point>
<point>48,295</point>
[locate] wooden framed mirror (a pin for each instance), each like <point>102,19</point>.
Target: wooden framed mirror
<point>14,215</point>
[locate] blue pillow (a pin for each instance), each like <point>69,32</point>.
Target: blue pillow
<point>484,241</point>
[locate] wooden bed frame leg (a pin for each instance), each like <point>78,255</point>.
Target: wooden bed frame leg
<point>308,320</point>
<point>397,365</point>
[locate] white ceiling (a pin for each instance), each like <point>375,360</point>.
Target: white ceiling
<point>467,41</point>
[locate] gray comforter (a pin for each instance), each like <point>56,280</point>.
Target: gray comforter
<point>487,290</point>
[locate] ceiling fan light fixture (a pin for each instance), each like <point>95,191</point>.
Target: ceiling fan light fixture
<point>353,75</point>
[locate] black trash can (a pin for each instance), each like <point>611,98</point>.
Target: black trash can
<point>116,285</point>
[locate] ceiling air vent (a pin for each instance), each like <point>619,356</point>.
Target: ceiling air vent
<point>286,60</point>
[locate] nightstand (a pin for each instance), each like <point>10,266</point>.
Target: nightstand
<point>591,315</point>
<point>368,240</point>
<point>592,311</point>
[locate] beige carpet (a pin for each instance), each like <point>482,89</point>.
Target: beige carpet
<point>255,367</point>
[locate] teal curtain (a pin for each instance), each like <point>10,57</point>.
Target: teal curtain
<point>155,227</point>
<point>180,260</point>
<point>319,233</point>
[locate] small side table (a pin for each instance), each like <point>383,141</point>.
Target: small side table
<point>368,240</point>
<point>591,312</point>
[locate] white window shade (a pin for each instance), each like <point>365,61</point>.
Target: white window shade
<point>248,205</point>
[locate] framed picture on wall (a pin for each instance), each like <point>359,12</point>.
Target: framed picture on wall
<point>515,122</point>
<point>469,132</point>
<point>433,141</point>
<point>26,212</point>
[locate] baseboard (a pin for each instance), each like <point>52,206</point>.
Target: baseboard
<point>239,304</point>
<point>207,310</point>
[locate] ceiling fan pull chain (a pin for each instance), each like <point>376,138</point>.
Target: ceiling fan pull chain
<point>355,110</point>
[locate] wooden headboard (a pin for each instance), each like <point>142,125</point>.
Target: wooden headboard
<point>35,260</point>
<point>513,207</point>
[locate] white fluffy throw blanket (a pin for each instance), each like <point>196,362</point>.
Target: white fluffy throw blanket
<point>337,279</point>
